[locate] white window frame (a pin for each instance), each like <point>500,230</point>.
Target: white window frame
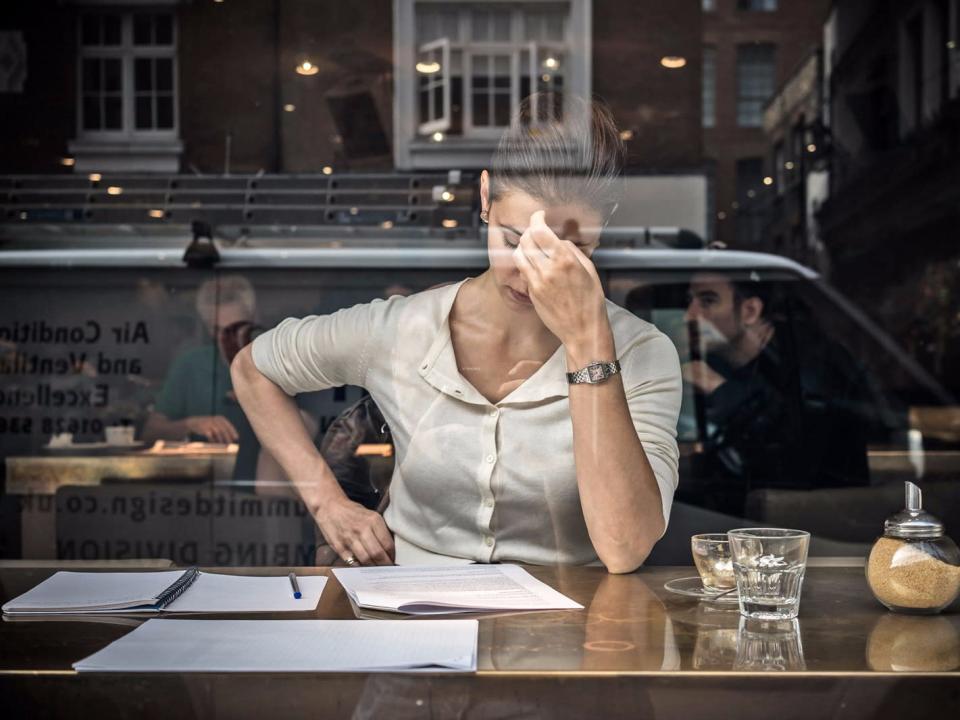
<point>411,149</point>
<point>128,53</point>
<point>442,122</point>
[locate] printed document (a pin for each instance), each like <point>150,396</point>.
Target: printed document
<point>180,646</point>
<point>432,590</point>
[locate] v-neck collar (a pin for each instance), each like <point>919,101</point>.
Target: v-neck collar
<point>439,368</point>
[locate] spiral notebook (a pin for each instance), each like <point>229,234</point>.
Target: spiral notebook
<point>192,591</point>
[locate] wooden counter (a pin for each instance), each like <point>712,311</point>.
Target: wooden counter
<point>634,651</point>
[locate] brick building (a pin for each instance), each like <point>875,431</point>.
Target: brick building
<point>304,86</point>
<point>893,79</point>
<point>751,47</point>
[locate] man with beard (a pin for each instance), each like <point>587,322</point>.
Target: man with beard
<point>782,407</point>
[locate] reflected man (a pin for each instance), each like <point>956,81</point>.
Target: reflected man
<point>782,406</point>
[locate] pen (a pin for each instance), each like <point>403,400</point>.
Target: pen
<point>296,588</point>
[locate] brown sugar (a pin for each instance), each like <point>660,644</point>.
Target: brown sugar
<point>904,575</point>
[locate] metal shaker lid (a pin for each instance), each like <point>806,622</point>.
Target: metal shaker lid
<point>913,521</point>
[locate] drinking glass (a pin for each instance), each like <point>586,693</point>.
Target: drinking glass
<point>769,564</point>
<point>711,555</point>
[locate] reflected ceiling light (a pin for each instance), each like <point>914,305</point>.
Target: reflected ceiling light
<point>447,196</point>
<point>952,44</point>
<point>428,68</point>
<point>354,211</point>
<point>768,180</point>
<point>735,205</point>
<point>626,135</point>
<point>386,224</point>
<point>437,136</point>
<point>289,107</point>
<point>811,147</point>
<point>68,162</point>
<point>158,214</point>
<point>95,177</point>
<point>751,193</point>
<point>545,77</point>
<point>449,223</point>
<point>114,190</point>
<point>551,63</point>
<point>673,61</point>
<point>789,165</point>
<point>327,170</point>
<point>307,68</point>
<point>721,215</point>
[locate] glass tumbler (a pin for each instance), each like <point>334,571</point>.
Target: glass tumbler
<point>769,564</point>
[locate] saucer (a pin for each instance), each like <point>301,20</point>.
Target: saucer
<point>692,587</point>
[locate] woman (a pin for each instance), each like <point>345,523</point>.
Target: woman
<point>500,455</point>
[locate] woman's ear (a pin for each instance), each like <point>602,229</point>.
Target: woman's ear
<point>484,191</point>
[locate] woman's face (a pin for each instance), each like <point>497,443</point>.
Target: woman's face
<point>508,218</point>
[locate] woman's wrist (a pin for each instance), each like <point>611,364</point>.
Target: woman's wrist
<point>318,487</point>
<point>597,344</point>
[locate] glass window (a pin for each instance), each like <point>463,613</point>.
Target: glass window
<point>709,92</point>
<point>127,73</point>
<point>812,431</point>
<point>510,54</point>
<point>756,81</point>
<point>90,349</point>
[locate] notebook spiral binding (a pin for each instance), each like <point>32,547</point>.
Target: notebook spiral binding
<point>178,588</point>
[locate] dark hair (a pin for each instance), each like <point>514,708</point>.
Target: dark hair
<point>766,291</point>
<point>560,152</point>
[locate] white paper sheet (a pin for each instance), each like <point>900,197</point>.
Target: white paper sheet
<point>213,592</point>
<point>69,593</point>
<point>443,590</point>
<point>182,646</point>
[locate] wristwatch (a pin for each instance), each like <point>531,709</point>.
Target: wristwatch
<point>594,373</point>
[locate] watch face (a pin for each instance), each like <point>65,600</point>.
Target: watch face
<point>596,372</point>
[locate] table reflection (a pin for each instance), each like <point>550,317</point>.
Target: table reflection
<point>902,643</point>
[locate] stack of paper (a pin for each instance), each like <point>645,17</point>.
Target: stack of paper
<point>431,590</point>
<point>180,646</point>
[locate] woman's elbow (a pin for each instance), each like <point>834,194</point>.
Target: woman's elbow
<point>242,366</point>
<point>629,558</point>
<point>625,564</point>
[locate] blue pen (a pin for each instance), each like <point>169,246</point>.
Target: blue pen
<point>296,588</point>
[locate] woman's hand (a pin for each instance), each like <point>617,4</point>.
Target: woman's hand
<point>563,285</point>
<point>355,532</point>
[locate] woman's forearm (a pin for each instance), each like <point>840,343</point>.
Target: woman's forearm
<point>618,489</point>
<point>282,432</point>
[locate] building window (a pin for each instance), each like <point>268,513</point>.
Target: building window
<point>127,74</point>
<point>757,5</point>
<point>709,89</point>
<point>464,68</point>
<point>756,81</point>
<point>476,63</point>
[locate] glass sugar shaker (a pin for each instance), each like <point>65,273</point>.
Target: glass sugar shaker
<point>914,567</point>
